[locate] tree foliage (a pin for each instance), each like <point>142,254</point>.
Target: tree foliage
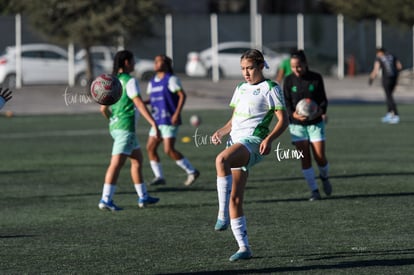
<point>396,12</point>
<point>86,22</point>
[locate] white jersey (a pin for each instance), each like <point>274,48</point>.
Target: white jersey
<point>254,107</point>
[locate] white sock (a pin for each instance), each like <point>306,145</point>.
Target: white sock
<point>108,192</point>
<point>141,189</point>
<point>157,169</point>
<point>309,175</point>
<point>185,165</point>
<point>239,228</point>
<point>323,171</point>
<point>224,185</point>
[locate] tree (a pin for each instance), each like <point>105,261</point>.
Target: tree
<point>396,12</point>
<point>87,22</point>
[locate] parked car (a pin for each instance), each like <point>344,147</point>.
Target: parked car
<point>104,56</point>
<point>41,64</point>
<point>199,64</point>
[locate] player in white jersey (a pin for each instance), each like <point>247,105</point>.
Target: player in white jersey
<point>254,104</point>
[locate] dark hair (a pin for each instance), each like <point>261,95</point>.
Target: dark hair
<point>255,55</point>
<point>382,50</point>
<point>300,54</point>
<point>167,63</point>
<point>119,60</point>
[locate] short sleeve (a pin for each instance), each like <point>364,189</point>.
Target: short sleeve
<point>275,98</point>
<point>132,88</point>
<point>174,84</point>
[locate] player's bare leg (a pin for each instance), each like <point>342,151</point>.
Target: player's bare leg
<point>152,149</point>
<point>180,160</point>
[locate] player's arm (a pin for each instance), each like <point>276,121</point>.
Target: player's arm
<point>374,72</point>
<point>174,85</point>
<point>181,100</point>
<point>398,65</point>
<point>280,127</point>
<point>279,75</point>
<point>105,111</point>
<point>220,133</point>
<point>143,110</point>
<point>132,90</point>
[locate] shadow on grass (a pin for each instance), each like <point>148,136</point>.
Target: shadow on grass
<point>346,176</point>
<point>15,236</point>
<point>18,172</point>
<point>386,262</point>
<point>335,197</point>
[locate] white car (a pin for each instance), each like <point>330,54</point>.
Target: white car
<point>104,57</point>
<point>41,64</point>
<point>229,53</point>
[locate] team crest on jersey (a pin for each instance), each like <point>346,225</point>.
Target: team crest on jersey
<point>311,88</point>
<point>294,89</point>
<point>256,92</point>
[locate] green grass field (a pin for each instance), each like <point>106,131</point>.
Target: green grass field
<point>51,176</point>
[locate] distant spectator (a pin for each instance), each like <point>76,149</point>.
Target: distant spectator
<point>391,67</point>
<point>5,95</point>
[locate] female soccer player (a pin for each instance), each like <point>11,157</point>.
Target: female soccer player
<point>254,103</point>
<point>122,117</point>
<point>167,99</point>
<point>308,134</point>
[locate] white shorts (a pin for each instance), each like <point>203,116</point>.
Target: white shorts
<point>252,144</point>
<point>167,131</point>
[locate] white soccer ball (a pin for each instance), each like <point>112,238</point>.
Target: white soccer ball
<point>307,107</point>
<point>195,120</point>
<point>106,89</point>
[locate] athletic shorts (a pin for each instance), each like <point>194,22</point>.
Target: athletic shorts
<point>312,133</point>
<point>253,145</point>
<point>124,142</point>
<point>167,131</point>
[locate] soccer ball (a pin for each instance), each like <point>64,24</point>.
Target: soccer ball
<point>307,107</point>
<point>195,120</point>
<point>106,89</point>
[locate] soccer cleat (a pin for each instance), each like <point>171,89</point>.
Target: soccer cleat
<point>327,187</point>
<point>191,178</point>
<point>241,255</point>
<point>394,120</point>
<point>387,117</point>
<point>103,205</point>
<point>148,200</point>
<point>221,225</point>
<point>315,195</point>
<point>158,181</point>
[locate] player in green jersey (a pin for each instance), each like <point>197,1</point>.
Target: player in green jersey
<point>122,120</point>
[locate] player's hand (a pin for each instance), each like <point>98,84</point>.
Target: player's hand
<point>265,147</point>
<point>6,94</point>
<point>216,138</point>
<point>175,119</point>
<point>299,117</point>
<point>370,80</point>
<point>157,132</point>
<point>325,118</point>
